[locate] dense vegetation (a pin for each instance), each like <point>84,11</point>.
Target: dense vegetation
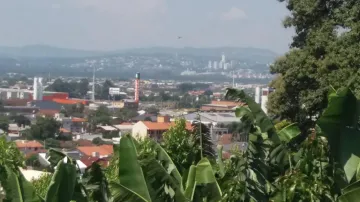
<point>325,52</point>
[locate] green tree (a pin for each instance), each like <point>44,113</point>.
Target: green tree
<point>42,183</point>
<point>4,123</point>
<point>179,143</point>
<point>102,92</point>
<point>152,110</point>
<point>125,114</point>
<point>100,116</point>
<point>325,49</point>
<point>43,129</point>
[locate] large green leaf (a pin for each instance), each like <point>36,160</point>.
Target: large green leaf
<point>16,187</point>
<point>63,182</point>
<point>191,183</point>
<point>351,193</point>
<point>131,176</point>
<point>11,185</point>
<point>338,124</point>
<point>95,182</point>
<point>262,120</point>
<point>289,132</point>
<point>220,161</point>
<point>28,190</point>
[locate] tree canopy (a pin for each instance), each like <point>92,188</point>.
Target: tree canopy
<point>324,53</point>
<point>75,89</point>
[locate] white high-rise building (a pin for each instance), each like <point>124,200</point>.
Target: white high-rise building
<point>38,89</point>
<point>223,58</point>
<point>210,64</point>
<point>262,96</point>
<point>221,65</point>
<point>215,65</point>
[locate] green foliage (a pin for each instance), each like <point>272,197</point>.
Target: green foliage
<point>152,110</point>
<point>180,145</point>
<point>4,123</point>
<point>96,184</point>
<point>339,123</point>
<point>282,124</point>
<point>125,114</point>
<point>42,183</point>
<point>16,187</point>
<point>325,49</point>
<point>10,155</point>
<point>65,183</point>
<point>101,116</point>
<point>102,92</point>
<point>43,129</point>
<point>75,89</point>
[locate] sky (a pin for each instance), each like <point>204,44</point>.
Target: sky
<point>121,24</point>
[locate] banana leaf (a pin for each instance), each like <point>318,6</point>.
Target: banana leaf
<point>62,186</point>
<point>262,120</point>
<point>339,124</point>
<point>16,187</point>
<point>220,161</point>
<point>131,177</point>
<point>162,175</point>
<point>351,193</point>
<point>289,132</point>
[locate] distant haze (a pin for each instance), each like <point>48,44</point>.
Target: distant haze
<point>122,24</point>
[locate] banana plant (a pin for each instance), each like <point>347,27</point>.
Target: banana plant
<point>149,174</point>
<point>16,187</point>
<point>253,167</point>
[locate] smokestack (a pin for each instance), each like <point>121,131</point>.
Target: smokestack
<point>137,87</point>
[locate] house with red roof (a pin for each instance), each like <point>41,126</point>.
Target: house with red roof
<point>101,151</point>
<point>26,146</point>
<point>154,130</point>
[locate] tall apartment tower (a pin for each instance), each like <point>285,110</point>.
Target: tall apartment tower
<point>38,88</point>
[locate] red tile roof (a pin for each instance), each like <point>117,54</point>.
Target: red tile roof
<point>227,103</point>
<point>103,150</point>
<point>75,119</point>
<point>64,130</point>
<point>48,112</point>
<point>28,144</point>
<point>163,125</point>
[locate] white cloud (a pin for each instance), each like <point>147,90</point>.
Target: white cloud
<point>234,14</point>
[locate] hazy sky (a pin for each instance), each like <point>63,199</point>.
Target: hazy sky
<point>118,24</point>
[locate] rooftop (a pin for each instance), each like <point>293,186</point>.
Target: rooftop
<point>103,150</point>
<point>75,119</point>
<point>28,144</point>
<point>163,125</point>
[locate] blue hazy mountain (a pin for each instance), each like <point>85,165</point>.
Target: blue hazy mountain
<point>44,51</point>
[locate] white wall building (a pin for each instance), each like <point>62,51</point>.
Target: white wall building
<point>261,97</point>
<point>38,88</point>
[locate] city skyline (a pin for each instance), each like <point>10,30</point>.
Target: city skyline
<point>120,24</point>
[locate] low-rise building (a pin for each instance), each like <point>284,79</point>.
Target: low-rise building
<point>26,146</point>
<point>154,130</point>
<point>97,151</point>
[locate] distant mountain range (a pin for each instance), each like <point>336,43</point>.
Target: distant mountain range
<point>44,51</point>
